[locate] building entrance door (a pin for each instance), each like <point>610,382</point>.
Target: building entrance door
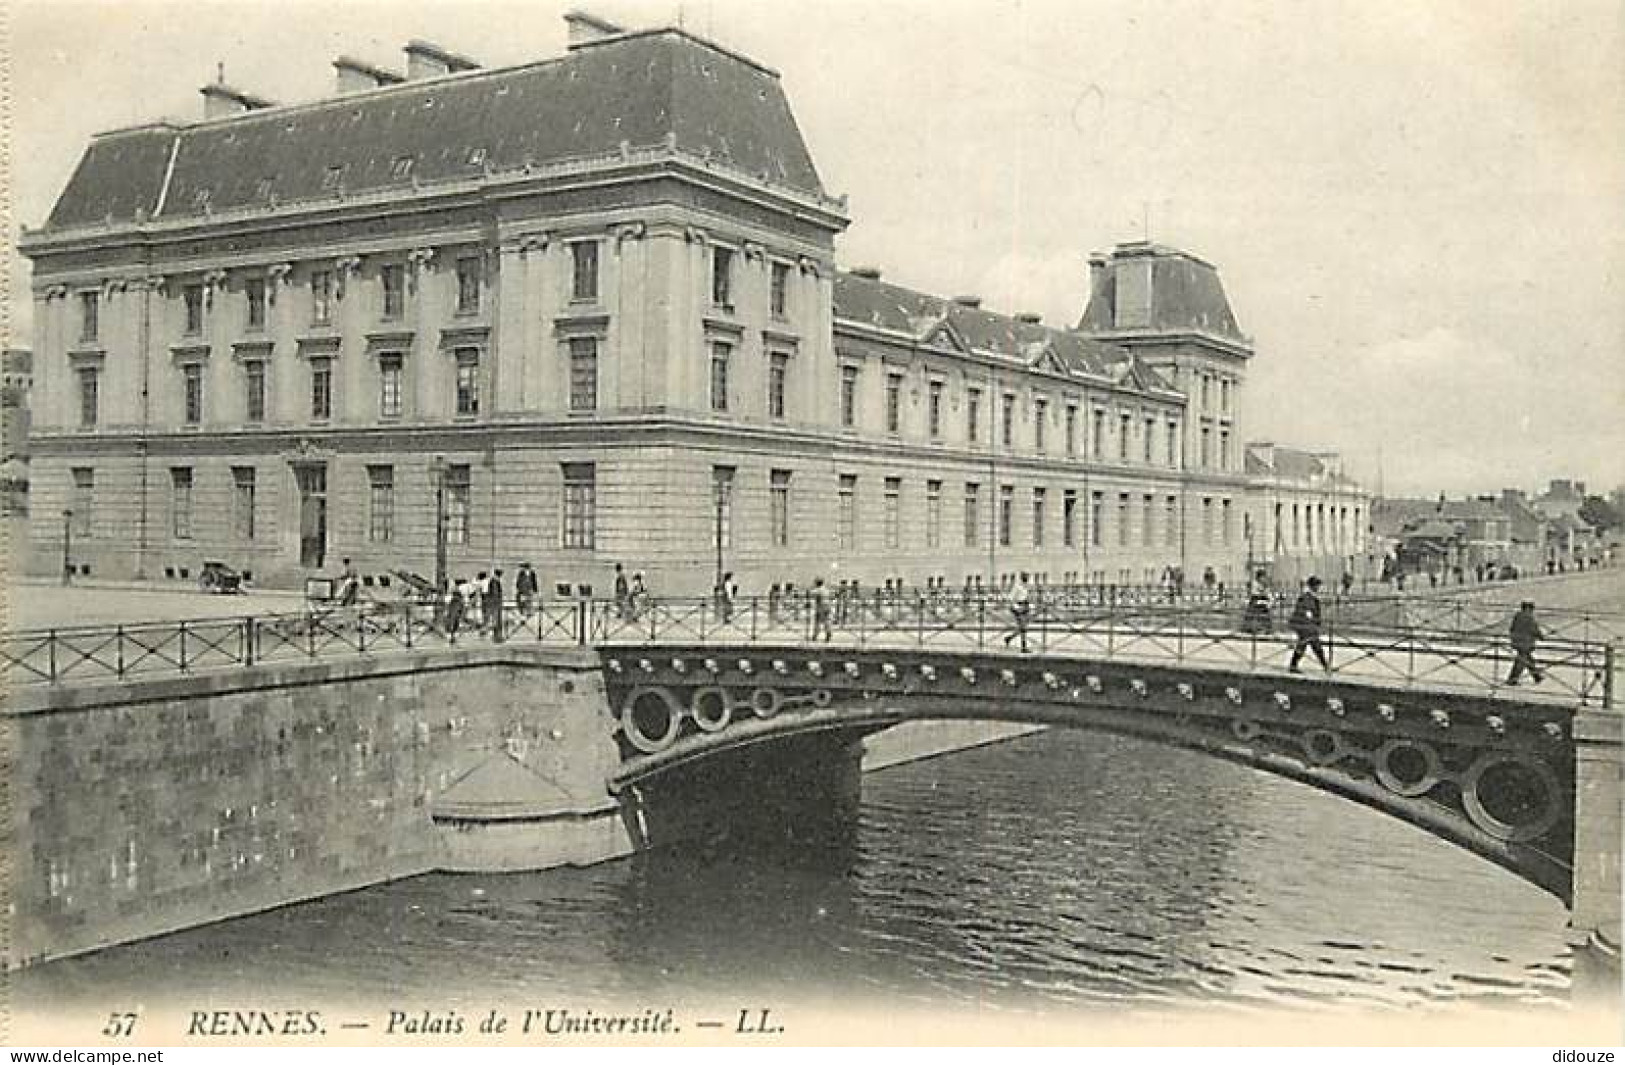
<point>312,515</point>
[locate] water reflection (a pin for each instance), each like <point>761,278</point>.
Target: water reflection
<point>1059,871</point>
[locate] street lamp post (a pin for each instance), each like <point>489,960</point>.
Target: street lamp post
<point>67,547</point>
<point>440,524</point>
<point>718,492</point>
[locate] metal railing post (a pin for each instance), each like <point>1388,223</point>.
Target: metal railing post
<point>753,603</point>
<point>248,641</point>
<point>118,645</point>
<point>981,624</point>
<point>50,654</point>
<point>1608,676</point>
<point>183,647</point>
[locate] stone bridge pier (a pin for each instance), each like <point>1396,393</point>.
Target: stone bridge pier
<point>1594,914</point>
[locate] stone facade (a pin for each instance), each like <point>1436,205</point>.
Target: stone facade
<point>626,343</point>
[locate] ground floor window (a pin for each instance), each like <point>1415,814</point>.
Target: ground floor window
<point>458,483</point>
<point>242,490</point>
<point>380,504</point>
<point>580,505</point>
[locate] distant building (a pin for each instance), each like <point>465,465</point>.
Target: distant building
<point>16,382</point>
<point>1305,517</point>
<point>1440,536</point>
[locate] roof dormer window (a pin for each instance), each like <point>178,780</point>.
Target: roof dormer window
<point>333,177</point>
<point>476,157</point>
<point>401,168</point>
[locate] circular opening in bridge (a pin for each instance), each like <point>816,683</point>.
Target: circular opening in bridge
<point>649,719</point>
<point>823,697</point>
<point>1510,798</point>
<point>1323,746</point>
<point>710,708</point>
<point>764,702</point>
<point>1407,767</point>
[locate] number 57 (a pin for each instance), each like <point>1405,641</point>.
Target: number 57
<point>119,1025</point>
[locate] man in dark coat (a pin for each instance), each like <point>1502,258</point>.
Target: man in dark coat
<point>1305,622</point>
<point>492,607</point>
<point>525,588</point>
<point>1525,635</point>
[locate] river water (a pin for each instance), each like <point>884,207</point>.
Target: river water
<point>1059,871</point>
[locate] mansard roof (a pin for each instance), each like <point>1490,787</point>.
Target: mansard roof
<point>942,322</point>
<point>652,89</point>
<point>1182,294</point>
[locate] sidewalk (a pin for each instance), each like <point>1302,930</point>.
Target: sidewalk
<point>173,587</point>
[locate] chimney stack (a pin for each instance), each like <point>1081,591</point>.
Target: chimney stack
<point>973,302</point>
<point>426,60</point>
<point>1097,270</point>
<point>1029,317</point>
<point>581,28</point>
<point>355,75</point>
<point>221,100</point>
<point>869,273</point>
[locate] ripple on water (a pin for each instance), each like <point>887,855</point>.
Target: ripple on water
<point>1055,871</point>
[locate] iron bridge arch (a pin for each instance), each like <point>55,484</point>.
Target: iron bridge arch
<point>1491,776</point>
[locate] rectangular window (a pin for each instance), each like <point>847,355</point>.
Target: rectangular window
<point>779,292</point>
<point>1207,447</point>
<point>846,518</point>
<point>779,507</point>
<point>89,315</point>
<point>933,514</point>
<point>584,373</point>
<point>778,371</point>
<point>722,269</point>
<point>321,297</point>
<point>1170,525</point>
<point>84,496</point>
<point>1122,519</point>
<point>180,502</point>
<point>973,414</point>
<point>89,395</point>
<point>459,484</point>
<point>1040,497</point>
<point>973,514</point>
<point>1150,438</point>
<point>1207,519</point>
<point>1040,420</point>
<point>1097,518</point>
<point>468,382</point>
<point>242,502</point>
<point>380,504</point>
<point>192,382</point>
<point>933,409</point>
<point>1007,420</point>
<point>1069,518</point>
<point>389,384</point>
<point>892,513</point>
<point>1148,507</point>
<point>254,294</point>
<point>1071,429</point>
<point>1124,424</point>
<point>1224,521</point>
<point>1224,449</point>
<point>468,284</point>
<point>192,299</point>
<point>1097,445</point>
<point>392,280</point>
<point>894,402</point>
<point>1206,398</point>
<point>719,376</point>
<point>584,271</point>
<point>321,389</point>
<point>1173,444</point>
<point>1007,514</point>
<point>849,396</point>
<point>254,391</point>
<point>722,507</point>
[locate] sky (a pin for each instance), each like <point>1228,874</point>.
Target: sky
<point>1417,208</point>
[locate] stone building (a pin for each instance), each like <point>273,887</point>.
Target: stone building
<point>1306,517</point>
<point>585,311</point>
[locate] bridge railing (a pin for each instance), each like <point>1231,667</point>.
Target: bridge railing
<point>1213,634</point>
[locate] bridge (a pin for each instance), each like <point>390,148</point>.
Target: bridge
<point>1414,717</point>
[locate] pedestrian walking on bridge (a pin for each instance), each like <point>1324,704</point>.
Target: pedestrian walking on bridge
<point>1525,635</point>
<point>820,610</point>
<point>1305,622</point>
<point>1020,600</point>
